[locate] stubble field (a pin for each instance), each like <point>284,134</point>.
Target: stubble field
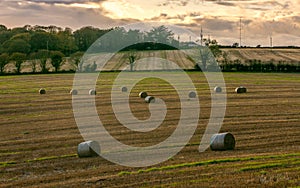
<point>39,136</point>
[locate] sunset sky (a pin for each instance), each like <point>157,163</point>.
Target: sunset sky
<point>218,18</point>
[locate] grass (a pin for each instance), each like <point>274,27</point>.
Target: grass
<point>263,172</point>
<point>9,153</point>
<point>7,163</point>
<point>272,165</point>
<point>219,161</point>
<point>264,166</point>
<point>51,158</point>
<point>261,125</point>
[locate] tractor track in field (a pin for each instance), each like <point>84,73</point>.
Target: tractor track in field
<point>39,138</point>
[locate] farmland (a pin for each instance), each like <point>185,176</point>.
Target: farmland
<point>243,55</point>
<point>229,56</point>
<point>275,55</point>
<point>39,136</point>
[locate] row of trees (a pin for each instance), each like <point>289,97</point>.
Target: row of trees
<point>255,65</point>
<point>42,62</point>
<point>40,58</point>
<point>30,39</point>
<point>40,44</point>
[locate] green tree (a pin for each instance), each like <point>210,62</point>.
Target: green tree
<point>34,61</point>
<point>117,38</point>
<point>66,42</point>
<point>42,56</point>
<point>4,60</point>
<point>208,54</point>
<point>86,36</point>
<point>76,58</point>
<point>53,29</point>
<point>3,28</point>
<point>214,48</point>
<point>18,58</point>
<point>23,36</point>
<point>160,34</point>
<point>5,35</point>
<point>57,59</point>
<point>16,45</point>
<point>132,56</point>
<point>90,67</point>
<point>133,36</point>
<point>205,54</point>
<point>18,30</point>
<point>43,40</point>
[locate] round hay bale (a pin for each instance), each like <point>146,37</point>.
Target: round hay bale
<point>92,92</point>
<point>150,99</point>
<point>241,89</point>
<point>192,94</point>
<point>143,94</point>
<point>218,89</point>
<point>42,91</point>
<point>222,141</point>
<point>88,149</point>
<point>73,92</point>
<point>124,89</point>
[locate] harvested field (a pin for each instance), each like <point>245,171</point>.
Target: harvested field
<point>119,61</point>
<point>264,55</point>
<point>39,136</point>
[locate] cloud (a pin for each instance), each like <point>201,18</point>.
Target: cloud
<point>248,4</point>
<point>219,18</point>
<point>37,12</point>
<point>174,2</point>
<point>62,1</point>
<point>225,3</point>
<point>264,5</point>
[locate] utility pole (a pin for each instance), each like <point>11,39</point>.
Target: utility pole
<point>47,49</point>
<point>201,36</point>
<point>271,34</point>
<point>271,41</point>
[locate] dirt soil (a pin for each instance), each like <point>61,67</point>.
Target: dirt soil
<point>39,135</point>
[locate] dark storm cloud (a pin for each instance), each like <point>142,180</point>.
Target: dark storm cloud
<point>225,3</point>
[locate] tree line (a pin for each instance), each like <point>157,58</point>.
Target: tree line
<point>44,44</point>
<point>255,65</point>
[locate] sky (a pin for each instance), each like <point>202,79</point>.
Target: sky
<point>219,19</point>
